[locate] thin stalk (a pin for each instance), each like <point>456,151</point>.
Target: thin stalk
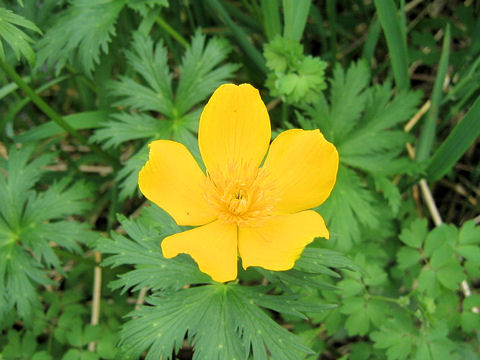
<point>241,37</point>
<point>52,114</point>
<point>173,33</point>
<point>97,272</point>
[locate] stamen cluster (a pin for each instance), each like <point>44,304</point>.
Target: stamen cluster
<point>240,194</point>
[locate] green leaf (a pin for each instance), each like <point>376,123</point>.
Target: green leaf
<point>427,136</point>
<point>78,121</point>
<point>469,233</point>
<point>349,207</point>
<point>201,72</point>
<point>408,257</point>
<point>396,41</point>
<point>365,124</point>
<point>30,221</point>
<point>350,287</point>
<point>428,283</point>
<point>220,321</point>
<point>390,192</point>
<point>415,234</point>
<point>271,18</point>
<point>348,100</point>
<point>316,260</point>
<point>151,91</point>
<point>142,249</point>
<point>124,127</point>
<point>358,321</point>
<point>451,275</point>
<point>145,6</point>
<point>398,341</point>
<point>295,15</point>
<point>16,38</point>
<point>458,141</point>
<point>149,60</point>
<point>128,174</point>
<point>442,235</point>
<point>79,33</point>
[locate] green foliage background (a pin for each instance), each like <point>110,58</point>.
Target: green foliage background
<point>86,85</point>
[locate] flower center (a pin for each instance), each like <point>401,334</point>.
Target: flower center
<point>240,194</point>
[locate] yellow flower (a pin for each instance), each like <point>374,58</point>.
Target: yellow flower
<point>241,207</point>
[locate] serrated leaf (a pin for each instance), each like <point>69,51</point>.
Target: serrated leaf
<point>201,72</point>
<point>219,321</point>
<point>347,98</point>
<point>16,38</point>
<point>350,204</point>
<point>80,34</point>
<point>389,191</point>
<point>149,60</point>
<point>150,90</point>
<point>152,270</point>
<point>144,6</point>
<point>123,127</point>
<point>30,221</point>
<point>315,260</point>
<point>128,174</point>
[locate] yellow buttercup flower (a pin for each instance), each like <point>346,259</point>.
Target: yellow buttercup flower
<point>242,208</point>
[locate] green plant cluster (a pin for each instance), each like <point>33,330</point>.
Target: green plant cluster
<point>296,78</point>
<point>86,85</point>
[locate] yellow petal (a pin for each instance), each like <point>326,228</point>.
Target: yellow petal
<point>277,244</point>
<point>212,246</point>
<point>172,180</point>
<point>303,167</point>
<point>234,128</point>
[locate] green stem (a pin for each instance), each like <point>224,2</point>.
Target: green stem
<point>385,298</point>
<point>173,33</point>
<point>47,110</point>
<point>332,25</point>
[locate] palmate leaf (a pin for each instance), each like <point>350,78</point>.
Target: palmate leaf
<point>155,110</point>
<point>79,33</point>
<point>16,38</point>
<point>29,221</point>
<point>365,124</point>
<point>221,322</point>
<point>403,341</point>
